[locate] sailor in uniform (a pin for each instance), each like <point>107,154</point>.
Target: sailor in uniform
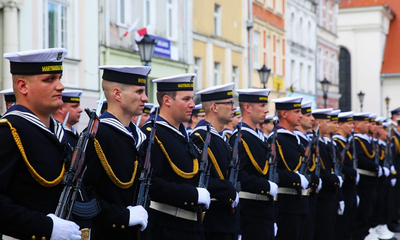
<point>174,187</point>
<point>268,124</point>
<point>326,208</point>
<point>303,131</point>
<point>33,153</point>
<point>144,117</point>
<point>9,97</point>
<point>230,126</point>
<point>113,158</point>
<point>257,215</point>
<point>293,189</point>
<point>394,225</point>
<point>369,172</point>
<point>344,225</point>
<point>221,220</point>
<point>197,115</point>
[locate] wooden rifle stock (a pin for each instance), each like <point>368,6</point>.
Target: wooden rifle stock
<point>235,161</point>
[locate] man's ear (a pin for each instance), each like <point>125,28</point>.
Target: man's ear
<point>22,86</point>
<point>167,100</point>
<point>116,93</point>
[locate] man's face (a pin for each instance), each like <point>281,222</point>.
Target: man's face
<point>324,126</point>
<point>182,105</point>
<point>294,117</point>
<point>236,119</point>
<point>267,128</point>
<point>225,109</point>
<point>144,118</point>
<point>346,127</point>
<point>334,126</point>
<point>44,92</point>
<point>74,112</point>
<point>383,134</point>
<point>258,112</point>
<point>362,126</point>
<point>372,127</point>
<point>133,98</point>
<point>307,120</point>
<point>198,117</point>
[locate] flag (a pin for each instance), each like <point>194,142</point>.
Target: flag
<point>131,28</point>
<point>142,31</point>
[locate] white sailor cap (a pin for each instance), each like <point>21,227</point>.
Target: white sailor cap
<point>134,75</point>
<point>253,95</point>
<point>306,107</point>
<point>43,61</point>
<point>198,109</point>
<point>364,116</point>
<point>372,117</point>
<point>379,120</point>
<point>236,112</point>
<point>72,96</point>
<point>269,118</point>
<point>287,103</point>
<point>147,107</point>
<point>387,124</point>
<point>9,95</point>
<point>334,115</point>
<point>155,108</point>
<point>219,92</point>
<point>346,116</point>
<point>322,113</point>
<point>181,82</point>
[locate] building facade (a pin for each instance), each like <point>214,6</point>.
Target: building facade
<point>301,45</point>
<point>328,52</point>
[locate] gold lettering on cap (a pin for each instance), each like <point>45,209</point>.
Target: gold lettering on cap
<point>75,99</point>
<point>297,105</point>
<point>350,119</point>
<point>308,109</point>
<point>328,116</point>
<point>52,68</point>
<point>141,80</point>
<point>146,111</point>
<point>201,110</point>
<point>366,119</point>
<point>185,85</point>
<point>263,98</point>
<point>229,93</point>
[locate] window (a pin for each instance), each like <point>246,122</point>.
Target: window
<point>302,83</point>
<point>256,49</point>
<point>198,70</point>
<point>268,63</point>
<point>147,12</point>
<point>217,20</point>
<point>55,24</point>
<point>122,14</point>
<point>235,76</point>
<point>171,19</point>
<point>217,73</point>
<point>292,79</point>
<point>292,28</point>
<point>310,81</point>
<point>278,52</point>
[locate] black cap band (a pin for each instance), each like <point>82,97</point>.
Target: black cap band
<point>71,99</point>
<point>346,119</point>
<point>252,98</point>
<point>287,106</point>
<point>360,118</point>
<point>24,68</point>
<point>372,120</point>
<point>334,118</point>
<point>306,110</point>
<point>196,111</point>
<point>126,78</point>
<point>10,98</point>
<point>172,87</point>
<point>216,96</point>
<point>321,116</point>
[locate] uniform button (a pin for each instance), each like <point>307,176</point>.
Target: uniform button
<point>33,237</point>
<point>267,192</point>
<point>123,227</point>
<point>262,191</point>
<point>114,226</point>
<point>185,203</point>
<point>298,184</point>
<point>148,129</point>
<point>43,238</point>
<point>294,184</point>
<point>192,204</point>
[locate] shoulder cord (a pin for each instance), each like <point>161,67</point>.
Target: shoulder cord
<point>31,170</point>
<point>109,170</point>
<point>370,156</point>
<point>347,152</point>
<point>312,168</point>
<point>175,168</point>
<point>213,160</point>
<point>397,144</point>
<point>283,158</point>
<point>253,161</point>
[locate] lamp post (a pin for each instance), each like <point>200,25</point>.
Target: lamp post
<point>325,87</point>
<point>361,98</point>
<point>264,74</point>
<point>387,100</point>
<point>146,51</point>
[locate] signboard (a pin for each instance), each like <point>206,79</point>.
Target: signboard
<point>163,47</point>
<point>278,83</point>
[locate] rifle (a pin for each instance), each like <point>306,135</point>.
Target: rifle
<point>375,147</point>
<point>204,170</point>
<point>355,159</point>
<point>343,153</point>
<point>235,161</point>
<point>388,150</point>
<point>306,158</point>
<point>73,178</point>
<point>317,156</point>
<point>273,175</point>
<point>336,163</point>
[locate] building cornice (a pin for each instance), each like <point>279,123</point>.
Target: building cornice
<point>11,3</point>
<point>218,42</point>
<point>386,75</point>
<point>329,44</point>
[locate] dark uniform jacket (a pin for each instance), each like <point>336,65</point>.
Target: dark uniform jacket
<point>110,174</point>
<point>25,200</point>
<point>330,182</point>
<point>348,170</point>
<point>175,175</point>
<point>365,156</point>
<point>218,217</point>
<point>73,136</point>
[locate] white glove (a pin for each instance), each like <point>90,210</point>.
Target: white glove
<point>358,200</point>
<point>393,181</point>
<point>275,229</point>
<point>357,178</point>
<point>392,169</point>
<point>380,171</point>
<point>341,208</point>
<point>304,182</point>
<point>273,189</point>
<point>138,216</point>
<point>240,237</point>
<point>340,181</point>
<point>204,197</point>
<point>63,229</point>
<point>319,185</point>
<point>236,202</point>
<point>386,171</point>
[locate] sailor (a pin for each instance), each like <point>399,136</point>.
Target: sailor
<point>9,97</point>
<point>221,220</point>
<point>141,119</point>
<point>394,225</point>
<point>33,150</point>
<point>197,115</point>
<point>268,124</point>
<point>174,187</point>
<point>257,220</point>
<point>113,158</point>
<point>293,189</point>
<point>230,126</point>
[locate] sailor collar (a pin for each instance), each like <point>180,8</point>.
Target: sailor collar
<point>257,133</point>
<point>55,129</point>
<point>381,142</point>
<point>302,135</point>
<point>181,131</point>
<point>338,136</point>
<point>281,130</point>
<point>136,134</point>
<point>363,136</point>
<point>202,125</point>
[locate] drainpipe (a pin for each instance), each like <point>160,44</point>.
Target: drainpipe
<point>250,25</point>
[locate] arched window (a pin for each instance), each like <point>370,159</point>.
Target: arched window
<point>345,80</point>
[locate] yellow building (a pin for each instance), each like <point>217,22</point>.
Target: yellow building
<point>219,34</point>
<point>268,46</point>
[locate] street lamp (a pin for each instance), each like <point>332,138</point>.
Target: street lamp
<point>361,98</point>
<point>387,100</point>
<point>325,87</point>
<point>146,49</point>
<point>264,74</point>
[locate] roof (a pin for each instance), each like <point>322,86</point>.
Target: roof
<point>361,3</point>
<point>391,57</point>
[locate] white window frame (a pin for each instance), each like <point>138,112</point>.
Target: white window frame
<point>198,69</point>
<point>122,20</point>
<point>256,50</point>
<point>217,73</point>
<point>278,56</point>
<point>268,51</point>
<point>148,19</point>
<point>172,21</point>
<point>217,20</point>
<point>235,75</point>
<point>61,42</point>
